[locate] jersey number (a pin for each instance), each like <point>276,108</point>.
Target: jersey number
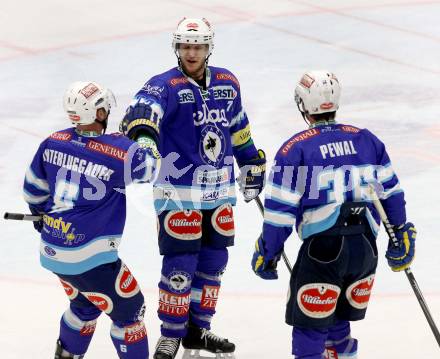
<point>338,182</point>
<point>66,193</point>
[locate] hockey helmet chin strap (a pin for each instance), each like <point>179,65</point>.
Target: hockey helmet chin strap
<point>179,61</point>
<point>303,113</point>
<point>103,123</point>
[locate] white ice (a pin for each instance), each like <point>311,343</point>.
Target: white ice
<point>387,56</point>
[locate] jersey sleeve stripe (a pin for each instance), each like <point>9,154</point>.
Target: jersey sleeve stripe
<point>237,118</point>
<point>387,193</point>
<point>38,183</point>
<point>280,219</point>
<point>32,199</point>
<point>283,195</point>
<point>385,173</point>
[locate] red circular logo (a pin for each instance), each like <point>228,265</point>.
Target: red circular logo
<point>99,300</point>
<point>358,294</point>
<point>318,300</point>
<point>186,225</point>
<point>223,220</point>
<point>70,290</point>
<point>126,285</point>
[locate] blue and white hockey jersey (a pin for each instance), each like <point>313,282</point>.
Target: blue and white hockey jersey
<point>315,171</point>
<point>78,183</point>
<point>200,131</point>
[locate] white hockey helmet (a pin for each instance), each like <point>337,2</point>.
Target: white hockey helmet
<point>82,100</point>
<point>194,31</point>
<point>318,92</point>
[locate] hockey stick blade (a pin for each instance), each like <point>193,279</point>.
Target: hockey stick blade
<point>408,272</point>
<point>283,254</point>
<point>21,217</point>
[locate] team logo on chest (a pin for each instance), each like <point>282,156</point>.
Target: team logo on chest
<point>212,145</point>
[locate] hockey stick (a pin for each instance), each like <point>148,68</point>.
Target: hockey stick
<point>408,272</point>
<point>286,260</point>
<point>21,217</point>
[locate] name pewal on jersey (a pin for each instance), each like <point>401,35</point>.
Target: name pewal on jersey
<point>342,162</point>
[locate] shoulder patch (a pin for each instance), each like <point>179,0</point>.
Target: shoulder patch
<point>299,138</point>
<point>107,150</point>
<point>178,80</point>
<point>350,129</point>
<point>61,136</point>
<point>224,76</point>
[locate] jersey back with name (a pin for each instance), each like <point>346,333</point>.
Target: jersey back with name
<point>317,170</point>
<point>78,183</point>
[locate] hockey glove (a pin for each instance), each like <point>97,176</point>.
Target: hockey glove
<point>265,268</point>
<point>148,144</point>
<point>140,119</point>
<point>38,225</point>
<point>252,176</point>
<point>400,257</point>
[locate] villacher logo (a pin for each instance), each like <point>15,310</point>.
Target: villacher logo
<point>358,294</point>
<point>126,285</point>
<point>318,300</point>
<point>186,225</point>
<point>223,221</point>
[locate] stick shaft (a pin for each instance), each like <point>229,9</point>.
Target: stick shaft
<point>408,272</point>
<point>21,217</point>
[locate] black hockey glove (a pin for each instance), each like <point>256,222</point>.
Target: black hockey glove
<point>400,257</point>
<point>38,225</point>
<point>141,119</point>
<point>252,176</point>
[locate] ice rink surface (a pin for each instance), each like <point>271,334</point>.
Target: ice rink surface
<point>387,56</point>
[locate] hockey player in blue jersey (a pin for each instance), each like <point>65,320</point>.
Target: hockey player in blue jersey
<point>320,185</point>
<point>193,114</point>
<point>76,182</point>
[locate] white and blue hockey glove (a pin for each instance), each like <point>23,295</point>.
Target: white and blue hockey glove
<point>400,257</point>
<point>252,176</point>
<point>263,267</point>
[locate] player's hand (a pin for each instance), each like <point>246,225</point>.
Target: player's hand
<point>38,225</point>
<point>252,176</point>
<point>263,267</point>
<point>400,257</point>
